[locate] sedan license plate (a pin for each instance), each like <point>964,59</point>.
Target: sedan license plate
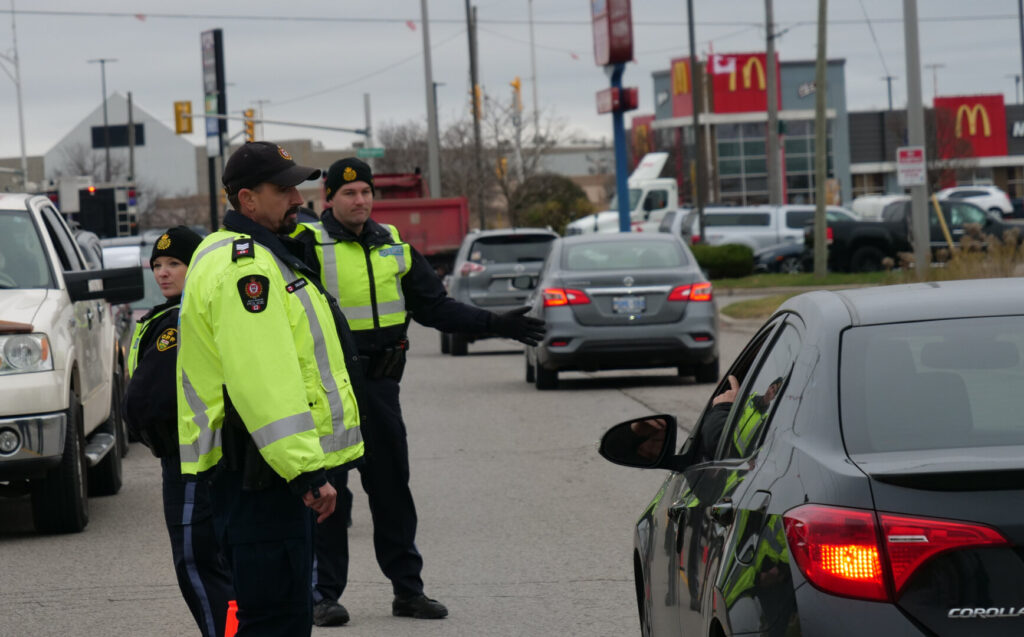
<point>628,304</point>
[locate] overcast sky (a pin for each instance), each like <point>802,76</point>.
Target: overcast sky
<point>314,59</point>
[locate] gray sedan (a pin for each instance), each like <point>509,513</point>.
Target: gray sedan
<point>623,301</point>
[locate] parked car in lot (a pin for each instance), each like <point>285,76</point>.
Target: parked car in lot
<point>623,301</point>
<point>785,258</point>
<point>989,198</point>
<point>874,491</point>
<point>485,266</point>
<point>61,433</point>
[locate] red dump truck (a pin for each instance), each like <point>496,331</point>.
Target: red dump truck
<point>434,226</point>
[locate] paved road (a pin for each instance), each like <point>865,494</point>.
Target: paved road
<point>525,530</point>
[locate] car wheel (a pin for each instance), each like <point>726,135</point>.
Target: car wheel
<point>545,378</point>
<point>59,502</point>
<point>446,347</point>
<point>791,265</point>
<point>107,477</point>
<point>458,344</point>
<point>706,372</point>
<point>530,375</point>
<point>867,259</point>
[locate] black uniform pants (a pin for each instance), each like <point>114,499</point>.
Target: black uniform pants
<point>202,572</point>
<point>268,544</point>
<point>385,478</point>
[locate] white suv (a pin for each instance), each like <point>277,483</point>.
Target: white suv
<point>61,373</point>
<point>988,197</point>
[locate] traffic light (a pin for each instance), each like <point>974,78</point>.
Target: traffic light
<point>182,118</point>
<point>502,168</point>
<point>518,86</point>
<point>250,125</point>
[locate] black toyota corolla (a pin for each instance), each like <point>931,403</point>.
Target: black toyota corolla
<point>864,475</point>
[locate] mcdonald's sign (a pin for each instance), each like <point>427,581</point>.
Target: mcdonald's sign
<point>682,88</point>
<point>739,82</point>
<point>978,120</point>
<point>641,139</point>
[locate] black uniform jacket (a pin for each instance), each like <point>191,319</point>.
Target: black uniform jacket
<point>150,400</point>
<point>425,297</point>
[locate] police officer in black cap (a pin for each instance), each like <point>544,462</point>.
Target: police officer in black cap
<point>381,283</point>
<point>150,408</point>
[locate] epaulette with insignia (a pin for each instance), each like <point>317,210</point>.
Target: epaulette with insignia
<point>243,248</point>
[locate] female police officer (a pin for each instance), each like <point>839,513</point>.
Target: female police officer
<point>151,413</point>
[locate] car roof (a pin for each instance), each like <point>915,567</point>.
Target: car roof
<point>15,200</point>
<point>501,232</point>
<point>601,237</point>
<point>917,301</point>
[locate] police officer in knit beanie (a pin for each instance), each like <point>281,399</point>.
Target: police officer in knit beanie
<point>179,242</point>
<point>346,171</point>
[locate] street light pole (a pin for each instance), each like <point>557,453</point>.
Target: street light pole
<point>16,78</point>
<point>106,129</point>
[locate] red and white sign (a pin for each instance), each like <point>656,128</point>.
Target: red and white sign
<point>911,169</point>
<point>613,31</point>
<point>612,99</point>
<point>682,88</point>
<point>971,126</point>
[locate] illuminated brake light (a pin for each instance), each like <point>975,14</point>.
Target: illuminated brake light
<point>564,296</point>
<point>828,235</point>
<point>839,550</point>
<point>695,292</point>
<point>469,268</point>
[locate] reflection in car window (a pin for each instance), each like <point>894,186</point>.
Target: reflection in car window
<point>510,249</point>
<point>961,213</point>
<point>620,255</point>
<point>23,261</point>
<point>751,414</point>
<point>737,219</point>
<point>63,243</point>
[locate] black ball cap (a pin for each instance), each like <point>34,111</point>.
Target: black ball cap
<point>258,162</point>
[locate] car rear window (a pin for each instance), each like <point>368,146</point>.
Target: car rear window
<point>23,260</point>
<point>624,255</point>
<point>511,248</point>
<point>725,219</point>
<point>933,385</point>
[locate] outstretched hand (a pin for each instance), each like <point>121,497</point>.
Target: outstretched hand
<point>514,324</point>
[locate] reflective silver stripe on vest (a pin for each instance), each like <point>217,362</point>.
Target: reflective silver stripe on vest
<point>366,311</point>
<point>330,268</point>
<point>208,249</point>
<point>207,440</point>
<point>270,433</point>
<point>340,438</point>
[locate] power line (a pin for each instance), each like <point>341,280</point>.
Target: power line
<point>871,29</point>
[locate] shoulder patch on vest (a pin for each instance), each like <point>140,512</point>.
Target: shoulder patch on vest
<point>388,251</point>
<point>167,339</point>
<point>253,289</point>
<point>243,248</point>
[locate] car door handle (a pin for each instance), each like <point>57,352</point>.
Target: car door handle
<point>88,316</point>
<point>723,512</point>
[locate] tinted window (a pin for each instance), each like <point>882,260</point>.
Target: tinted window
<point>963,194</point>
<point>961,213</point>
<point>23,260</point>
<point>799,218</point>
<point>62,242</point>
<point>933,385</point>
<point>894,211</point>
<point>725,219</point>
<point>510,249</point>
<point>623,255</point>
<point>656,200</point>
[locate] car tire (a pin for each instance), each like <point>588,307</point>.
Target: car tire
<point>531,375</point>
<point>458,344</point>
<point>59,501</point>
<point>545,378</point>
<point>706,372</point>
<point>107,476</point>
<point>791,265</point>
<point>446,347</point>
<point>866,259</point>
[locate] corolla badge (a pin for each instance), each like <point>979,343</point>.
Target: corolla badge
<point>985,613</point>
<point>627,281</point>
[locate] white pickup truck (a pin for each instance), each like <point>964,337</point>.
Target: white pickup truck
<point>650,197</point>
<point>61,372</point>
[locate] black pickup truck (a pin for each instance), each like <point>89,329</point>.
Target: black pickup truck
<point>860,246</point>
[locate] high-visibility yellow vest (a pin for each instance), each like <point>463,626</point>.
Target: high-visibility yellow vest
<point>748,427</point>
<point>252,327</point>
<point>140,330</point>
<point>367,283</point>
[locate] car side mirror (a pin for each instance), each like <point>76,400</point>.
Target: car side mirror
<point>118,285</point>
<point>645,443</point>
<point>523,282</point>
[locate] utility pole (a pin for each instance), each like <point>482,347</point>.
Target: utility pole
<point>131,140</point>
<point>697,78</point>
<point>1020,21</point>
<point>16,78</point>
<point>477,99</point>
<point>820,144</point>
<point>935,78</point>
<point>1016,86</point>
<point>533,78</point>
<point>106,129</point>
<point>772,151</point>
<point>259,105</point>
<point>915,137</point>
<point>433,154</point>
<point>888,83</point>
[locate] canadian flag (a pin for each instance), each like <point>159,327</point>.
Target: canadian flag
<point>723,64</point>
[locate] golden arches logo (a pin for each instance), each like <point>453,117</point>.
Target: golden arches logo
<point>748,71</point>
<point>971,113</point>
<point>681,78</point>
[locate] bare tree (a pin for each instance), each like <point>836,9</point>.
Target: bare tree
<point>80,160</point>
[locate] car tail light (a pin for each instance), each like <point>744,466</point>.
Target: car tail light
<point>469,268</point>
<point>828,235</point>
<point>840,551</point>
<point>695,292</point>
<point>564,296</point>
<point>558,343</point>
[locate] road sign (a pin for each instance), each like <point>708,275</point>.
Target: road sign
<point>911,169</point>
<point>369,153</point>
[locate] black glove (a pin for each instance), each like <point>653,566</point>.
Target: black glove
<point>524,329</point>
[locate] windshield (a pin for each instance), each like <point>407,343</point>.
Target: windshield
<point>634,197</point>
<point>933,385</point>
<point>23,261</point>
